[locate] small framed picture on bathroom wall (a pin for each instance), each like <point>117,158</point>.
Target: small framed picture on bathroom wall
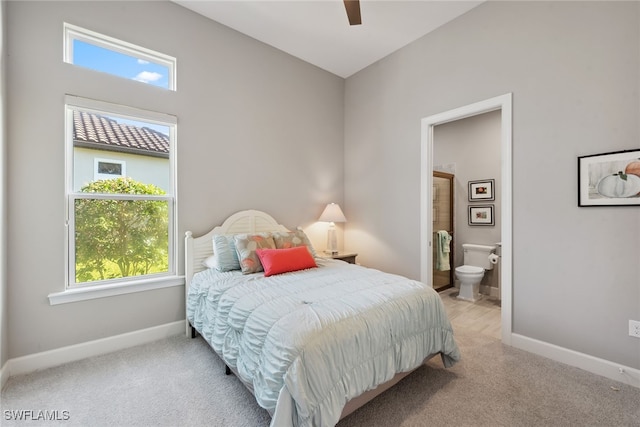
<point>481,215</point>
<point>481,190</point>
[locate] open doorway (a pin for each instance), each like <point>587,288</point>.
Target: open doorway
<point>503,104</point>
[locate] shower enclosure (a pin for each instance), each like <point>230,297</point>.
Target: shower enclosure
<point>443,185</point>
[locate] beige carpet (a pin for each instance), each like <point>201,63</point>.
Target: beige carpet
<point>496,385</point>
<point>181,382</point>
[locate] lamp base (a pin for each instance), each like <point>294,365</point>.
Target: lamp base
<point>332,240</point>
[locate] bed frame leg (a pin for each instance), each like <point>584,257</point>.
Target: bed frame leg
<point>227,371</point>
<point>194,333</point>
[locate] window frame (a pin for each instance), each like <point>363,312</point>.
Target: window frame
<point>80,291</point>
<point>73,32</point>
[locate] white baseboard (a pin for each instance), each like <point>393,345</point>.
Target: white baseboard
<point>59,356</point>
<point>605,368</point>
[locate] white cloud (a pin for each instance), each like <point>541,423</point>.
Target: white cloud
<point>148,76</point>
<point>142,61</point>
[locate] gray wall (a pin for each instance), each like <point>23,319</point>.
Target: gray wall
<point>257,128</point>
<point>573,69</point>
<point>4,317</point>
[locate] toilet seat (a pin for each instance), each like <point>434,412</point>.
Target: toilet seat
<point>469,269</point>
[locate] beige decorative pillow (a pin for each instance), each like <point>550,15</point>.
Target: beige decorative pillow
<point>291,239</point>
<point>246,245</point>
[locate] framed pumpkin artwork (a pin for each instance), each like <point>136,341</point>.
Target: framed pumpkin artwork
<point>609,179</point>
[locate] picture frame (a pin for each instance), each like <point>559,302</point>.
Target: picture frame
<point>609,179</point>
<point>481,215</point>
<point>482,190</point>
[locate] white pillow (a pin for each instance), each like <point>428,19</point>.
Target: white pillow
<point>210,262</point>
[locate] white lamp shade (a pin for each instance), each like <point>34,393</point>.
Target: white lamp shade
<point>332,213</point>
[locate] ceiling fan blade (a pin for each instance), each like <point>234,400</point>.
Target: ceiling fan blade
<point>353,11</point>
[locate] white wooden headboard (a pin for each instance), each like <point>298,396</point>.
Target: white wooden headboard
<point>198,249</point>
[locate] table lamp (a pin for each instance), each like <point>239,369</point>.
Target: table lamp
<point>332,214</point>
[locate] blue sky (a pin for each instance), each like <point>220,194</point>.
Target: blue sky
<point>100,59</point>
<point>119,64</point>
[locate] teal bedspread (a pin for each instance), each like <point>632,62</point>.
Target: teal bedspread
<point>309,341</point>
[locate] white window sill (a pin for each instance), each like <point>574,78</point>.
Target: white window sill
<point>101,291</point>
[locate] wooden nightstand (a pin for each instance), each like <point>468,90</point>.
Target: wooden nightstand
<point>344,256</point>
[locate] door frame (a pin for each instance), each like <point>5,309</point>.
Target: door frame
<point>504,104</point>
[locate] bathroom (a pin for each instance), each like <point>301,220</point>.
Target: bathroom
<point>468,152</point>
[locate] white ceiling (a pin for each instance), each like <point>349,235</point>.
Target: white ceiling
<point>318,31</point>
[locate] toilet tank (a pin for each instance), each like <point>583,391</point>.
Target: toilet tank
<point>478,255</point>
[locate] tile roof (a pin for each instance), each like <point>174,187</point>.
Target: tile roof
<point>104,133</point>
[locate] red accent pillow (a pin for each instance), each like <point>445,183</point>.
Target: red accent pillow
<point>277,261</point>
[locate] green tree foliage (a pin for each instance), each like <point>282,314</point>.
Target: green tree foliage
<point>120,238</point>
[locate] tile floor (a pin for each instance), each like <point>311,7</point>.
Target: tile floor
<point>482,316</point>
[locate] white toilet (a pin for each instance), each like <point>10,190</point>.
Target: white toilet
<point>476,261</point>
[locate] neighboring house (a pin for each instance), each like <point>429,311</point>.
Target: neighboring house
<point>105,148</point>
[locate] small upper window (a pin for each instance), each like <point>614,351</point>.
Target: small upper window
<point>102,53</point>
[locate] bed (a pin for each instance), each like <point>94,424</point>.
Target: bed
<point>312,344</point>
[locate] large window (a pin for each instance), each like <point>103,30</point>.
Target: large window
<point>120,219</point>
<point>98,52</point>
